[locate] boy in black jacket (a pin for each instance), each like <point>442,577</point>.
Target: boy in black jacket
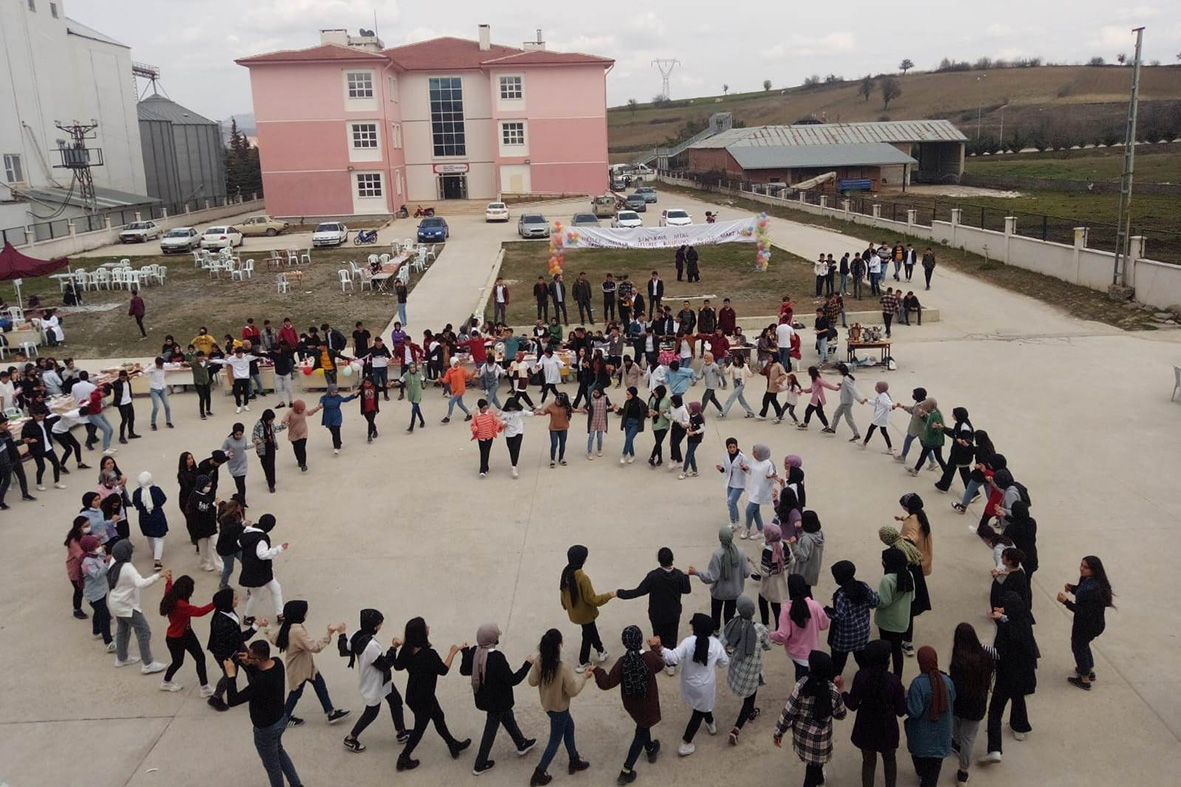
<point>492,682</point>
<point>664,587</point>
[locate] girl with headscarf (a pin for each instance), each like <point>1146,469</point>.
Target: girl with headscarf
<point>772,575</point>
<point>914,427</point>
<point>971,673</point>
<point>292,639</point>
<point>813,704</point>
<point>882,405</point>
<point>226,638</point>
<point>849,615</point>
<point>235,447</point>
<point>201,520</point>
<point>149,501</point>
<point>932,436</point>
<point>800,624</point>
<point>1022,529</point>
<point>849,394</point>
<point>492,683</point>
<point>266,446</point>
<point>760,479</point>
<point>878,698</point>
<point>807,549</point>
<point>582,603</point>
<point>896,592</point>
<point>745,640</point>
<point>696,433</point>
<point>1092,597</point>
<point>658,407</point>
<point>124,603</point>
<point>93,570</point>
<point>793,470</point>
<point>296,422</point>
<point>726,577</point>
<point>916,530</point>
<point>175,606</point>
<point>699,654</point>
<point>963,438</point>
<point>731,468</point>
<point>1016,672</point>
<point>374,670</point>
<point>929,703</point>
<point>82,527</point>
<point>635,674</point>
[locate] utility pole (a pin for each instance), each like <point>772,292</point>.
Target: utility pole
<point>666,68</point>
<point>1123,240</point>
<point>980,105</point>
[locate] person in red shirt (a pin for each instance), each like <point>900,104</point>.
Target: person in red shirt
<point>288,334</point>
<point>477,348</point>
<point>369,405</point>
<point>97,419</point>
<point>180,637</point>
<point>251,333</point>
<point>485,427</point>
<point>138,310</point>
<point>786,310</point>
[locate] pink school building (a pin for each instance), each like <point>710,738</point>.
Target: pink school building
<point>350,128</point>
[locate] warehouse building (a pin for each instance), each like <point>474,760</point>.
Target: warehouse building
<point>182,152</point>
<point>864,156</point>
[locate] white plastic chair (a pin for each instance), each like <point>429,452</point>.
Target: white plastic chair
<point>198,258</point>
<point>373,259</point>
<point>292,257</point>
<point>404,275</point>
<point>307,255</point>
<point>161,272</point>
<point>432,252</point>
<point>249,269</point>
<point>125,262</point>
<point>383,259</point>
<point>118,278</point>
<point>366,279</point>
<point>102,279</point>
<point>282,284</point>
<point>82,281</point>
<point>418,264</point>
<point>16,314</point>
<point>29,349</point>
<point>355,270</point>
<point>345,279</point>
<point>237,272</point>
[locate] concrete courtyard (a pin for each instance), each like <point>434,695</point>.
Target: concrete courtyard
<point>404,525</point>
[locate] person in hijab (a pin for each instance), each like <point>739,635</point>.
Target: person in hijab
<point>745,640</point>
<point>760,480</point>
<point>916,529</point>
<point>932,436</point>
<point>963,438</point>
<point>929,703</point>
<point>878,699</point>
<point>201,521</point>
<point>700,654</point>
<point>375,676</point>
<point>800,624</point>
<point>849,615</point>
<point>149,500</point>
<point>1022,529</point>
<point>123,601</point>
<point>914,563</point>
<point>492,683</point>
<point>332,419</point>
<point>93,568</point>
<point>726,577</point>
<point>293,639</point>
<point>266,446</point>
<point>772,575</point>
<point>807,550</point>
<point>635,674</point>
<point>896,593</point>
<point>582,603</point>
<point>793,465</point>
<point>296,422</point>
<point>813,704</point>
<point>1016,672</point>
<point>227,638</point>
<point>972,666</point>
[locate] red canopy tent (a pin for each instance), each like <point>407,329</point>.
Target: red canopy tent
<point>14,265</point>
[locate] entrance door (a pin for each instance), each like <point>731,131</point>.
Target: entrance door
<point>453,186</point>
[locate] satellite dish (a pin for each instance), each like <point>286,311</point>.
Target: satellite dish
<point>365,32</point>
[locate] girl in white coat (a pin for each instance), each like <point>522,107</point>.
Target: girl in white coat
<point>700,654</point>
<point>882,405</point>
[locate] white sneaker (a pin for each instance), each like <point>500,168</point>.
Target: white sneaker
<point>670,670</point>
<point>990,758</point>
<point>603,656</point>
<point>168,686</point>
<point>155,666</point>
<point>515,473</point>
<point>111,649</point>
<point>631,459</point>
<point>110,451</point>
<point>56,485</point>
<point>581,668</point>
<point>712,728</point>
<point>127,661</point>
<point>745,533</point>
<point>40,487</point>
<point>206,690</point>
<point>336,452</point>
<point>685,749</point>
<point>589,456</point>
<point>623,460</point>
<point>682,477</point>
<point>483,475</point>
<point>239,410</point>
<point>599,452</point>
<point>1020,735</point>
<point>246,407</point>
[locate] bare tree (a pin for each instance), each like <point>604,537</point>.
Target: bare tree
<point>766,84</point>
<point>1095,61</point>
<point>725,90</point>
<point>1121,58</point>
<point>865,89</point>
<point>905,65</point>
<point>891,89</point>
<point>632,104</point>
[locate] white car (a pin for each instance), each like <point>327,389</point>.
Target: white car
<point>220,237</point>
<point>627,219</point>
<point>675,217</point>
<point>330,233</point>
<point>140,232</point>
<point>496,211</point>
<point>180,239</point>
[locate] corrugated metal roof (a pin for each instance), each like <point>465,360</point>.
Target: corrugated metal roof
<point>836,134</point>
<point>160,108</point>
<point>74,27</point>
<point>869,154</point>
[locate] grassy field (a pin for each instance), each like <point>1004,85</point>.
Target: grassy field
<point>1154,164</point>
<point>191,299</point>
<point>1078,301</point>
<point>727,271</point>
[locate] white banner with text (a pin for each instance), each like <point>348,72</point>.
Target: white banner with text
<point>741,231</point>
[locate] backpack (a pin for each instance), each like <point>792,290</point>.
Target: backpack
<point>1024,493</point>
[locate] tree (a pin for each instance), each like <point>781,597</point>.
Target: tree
<point>766,84</point>
<point>891,90</point>
<point>243,170</point>
<point>905,65</point>
<point>725,90</point>
<point>833,79</point>
<point>812,81</point>
<point>660,100</point>
<point>865,89</point>
<point>632,104</point>
<point>1095,61</point>
<point>1121,58</point>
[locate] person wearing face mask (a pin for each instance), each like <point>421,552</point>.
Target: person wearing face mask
<point>125,584</point>
<point>227,638</point>
<point>201,519</point>
<point>94,588</point>
<point>265,696</point>
<point>258,566</point>
<point>74,553</point>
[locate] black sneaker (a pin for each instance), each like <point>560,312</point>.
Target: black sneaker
<point>526,745</point>
<point>487,766</point>
<point>626,777</point>
<point>459,748</point>
<point>354,745</point>
<point>961,777</point>
<point>406,764</point>
<point>403,736</point>
<point>218,704</point>
<point>654,752</point>
<point>337,715</point>
<point>27,497</point>
<point>578,765</point>
<point>294,721</point>
<point>468,417</point>
<point>540,779</point>
<point>77,613</point>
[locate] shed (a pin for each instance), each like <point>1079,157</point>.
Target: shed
<point>183,155</point>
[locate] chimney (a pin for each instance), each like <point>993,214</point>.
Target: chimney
<point>538,45</point>
<point>338,36</point>
<point>485,38</point>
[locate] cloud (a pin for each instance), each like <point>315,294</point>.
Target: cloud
<point>1113,37</point>
<point>997,30</point>
<point>836,42</point>
<point>1138,12</point>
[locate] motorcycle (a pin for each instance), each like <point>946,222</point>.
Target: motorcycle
<point>421,211</point>
<point>365,237</point>
<point>710,218</point>
<point>402,213</point>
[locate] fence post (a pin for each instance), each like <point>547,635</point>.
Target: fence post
<point>163,212</point>
<point>107,222</point>
<point>137,216</point>
<point>823,201</point>
<point>1136,251</point>
<point>846,204</point>
<point>956,216</point>
<point>877,212</point>
<point>186,208</point>
<point>911,217</point>
<point>1010,231</point>
<point>1080,243</point>
<point>207,205</point>
<point>1045,226</point>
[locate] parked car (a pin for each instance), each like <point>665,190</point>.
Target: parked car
<point>533,225</point>
<point>627,219</point>
<point>675,217</point>
<point>618,184</point>
<point>180,239</point>
<point>636,202</point>
<point>496,211</point>
<point>433,229</point>
<point>140,232</point>
<point>648,193</point>
<point>603,206</point>
<point>585,220</point>
<point>330,233</point>
<point>220,237</point>
<point>261,225</point>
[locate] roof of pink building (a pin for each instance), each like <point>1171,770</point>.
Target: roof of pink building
<point>436,53</point>
<point>316,53</point>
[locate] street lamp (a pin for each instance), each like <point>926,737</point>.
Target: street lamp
<point>980,106</point>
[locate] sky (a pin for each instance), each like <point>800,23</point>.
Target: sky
<point>195,42</point>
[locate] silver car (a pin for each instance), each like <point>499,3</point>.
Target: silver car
<point>180,239</point>
<point>533,225</point>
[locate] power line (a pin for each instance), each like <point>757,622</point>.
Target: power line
<point>666,68</point>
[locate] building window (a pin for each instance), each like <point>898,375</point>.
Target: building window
<point>53,10</point>
<point>392,87</point>
<point>13,171</point>
<point>369,185</point>
<point>360,84</point>
<point>447,129</point>
<point>364,135</point>
<point>512,133</point>
<point>510,88</point>
<point>396,136</point>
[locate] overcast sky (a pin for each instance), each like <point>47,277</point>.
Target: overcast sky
<point>195,42</point>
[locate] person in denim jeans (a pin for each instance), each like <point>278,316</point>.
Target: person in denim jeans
<point>556,683</point>
<point>265,695</point>
<point>915,427</point>
<point>731,465</point>
<point>159,393</point>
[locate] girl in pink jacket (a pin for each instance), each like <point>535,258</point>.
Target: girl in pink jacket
<point>800,624</point>
<point>816,404</point>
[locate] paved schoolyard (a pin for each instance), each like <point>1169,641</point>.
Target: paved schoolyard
<point>404,525</point>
